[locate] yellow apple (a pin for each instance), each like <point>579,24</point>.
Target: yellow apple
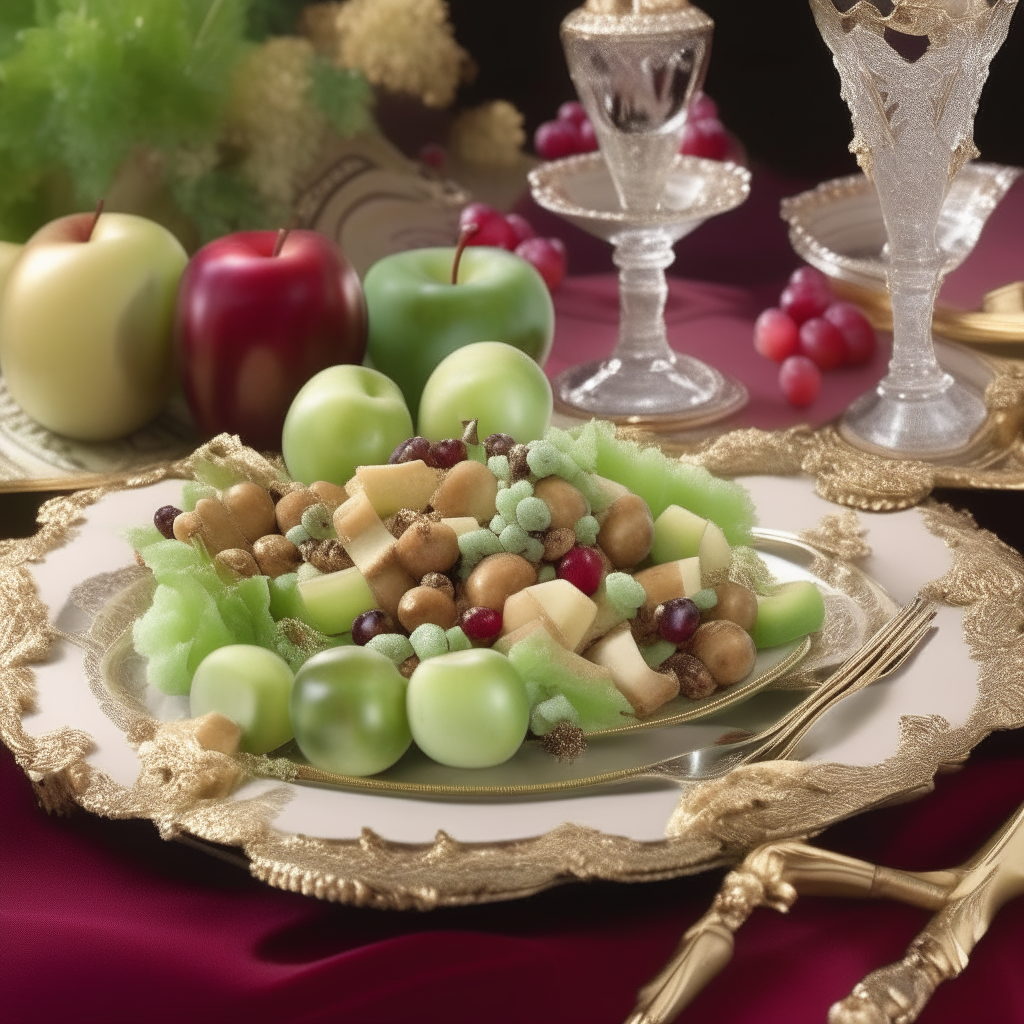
<point>9,252</point>
<point>86,321</point>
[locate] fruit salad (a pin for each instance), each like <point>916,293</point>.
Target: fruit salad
<point>464,595</point>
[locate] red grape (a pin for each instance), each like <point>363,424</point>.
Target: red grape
<point>433,155</point>
<point>163,520</point>
<point>702,106</point>
<point>804,300</point>
<point>707,138</point>
<point>521,226</point>
<point>492,228</point>
<point>856,330</point>
<point>677,620</point>
<point>588,138</point>
<point>582,568</point>
<point>367,625</point>
<point>810,277</point>
<point>481,624</point>
<point>555,139</point>
<point>548,256</point>
<point>800,381</point>
<point>411,450</point>
<point>822,343</point>
<point>572,111</point>
<point>776,336</point>
<point>445,454</point>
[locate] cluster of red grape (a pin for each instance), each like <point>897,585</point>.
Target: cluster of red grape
<point>810,331</point>
<point>572,132</point>
<point>515,233</point>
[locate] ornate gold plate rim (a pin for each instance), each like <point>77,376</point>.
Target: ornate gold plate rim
<point>714,824</point>
<point>851,476</point>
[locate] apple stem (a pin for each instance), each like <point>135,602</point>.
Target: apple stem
<point>95,220</point>
<point>467,232</point>
<point>279,242</point>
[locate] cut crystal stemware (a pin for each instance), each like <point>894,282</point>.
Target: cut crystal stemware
<point>635,65</point>
<point>912,72</point>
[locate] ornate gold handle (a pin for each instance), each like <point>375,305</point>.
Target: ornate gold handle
<point>966,898</point>
<point>897,993</point>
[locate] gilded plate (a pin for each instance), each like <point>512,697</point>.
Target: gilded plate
<point>125,759</point>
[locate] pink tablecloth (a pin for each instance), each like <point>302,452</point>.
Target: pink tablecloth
<point>714,321</point>
<point>103,922</point>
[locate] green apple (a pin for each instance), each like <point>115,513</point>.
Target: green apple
<point>494,383</point>
<point>468,709</point>
<point>86,321</point>
<point>345,416</point>
<point>348,711</point>
<point>251,686</point>
<point>417,316</point>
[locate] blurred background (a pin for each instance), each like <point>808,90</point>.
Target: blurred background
<point>209,115</point>
<point>770,73</point>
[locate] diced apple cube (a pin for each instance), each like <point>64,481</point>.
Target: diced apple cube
<point>461,524</point>
<point>680,578</point>
<point>399,485</point>
<point>714,553</point>
<point>522,613</point>
<point>362,534</point>
<point>677,534</point>
<point>468,489</point>
<point>608,616</point>
<point>567,606</point>
<point>644,688</point>
<point>372,548</point>
<point>507,641</point>
<point>334,599</point>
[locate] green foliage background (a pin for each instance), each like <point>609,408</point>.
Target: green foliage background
<point>85,83</point>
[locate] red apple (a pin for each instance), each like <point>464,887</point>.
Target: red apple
<point>254,324</point>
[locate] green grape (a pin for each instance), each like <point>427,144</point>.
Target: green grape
<point>251,686</point>
<point>348,711</point>
<point>468,709</point>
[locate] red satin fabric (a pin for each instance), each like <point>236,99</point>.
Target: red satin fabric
<point>102,921</point>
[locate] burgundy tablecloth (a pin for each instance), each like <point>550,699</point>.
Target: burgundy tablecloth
<point>102,921</point>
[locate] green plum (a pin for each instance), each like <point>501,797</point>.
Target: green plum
<point>417,316</point>
<point>345,416</point>
<point>251,686</point>
<point>348,711</point>
<point>494,383</point>
<point>468,709</point>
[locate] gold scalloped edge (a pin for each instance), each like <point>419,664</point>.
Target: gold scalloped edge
<point>714,824</point>
<point>849,476</point>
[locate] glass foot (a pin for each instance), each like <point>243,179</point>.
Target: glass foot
<point>660,393</point>
<point>932,425</point>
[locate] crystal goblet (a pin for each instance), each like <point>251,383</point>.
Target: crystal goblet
<point>911,73</point>
<point>635,65</point>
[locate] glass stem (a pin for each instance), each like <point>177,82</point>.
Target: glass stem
<point>642,258</point>
<point>913,369</point>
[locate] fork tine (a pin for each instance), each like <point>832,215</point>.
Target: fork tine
<point>914,621</point>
